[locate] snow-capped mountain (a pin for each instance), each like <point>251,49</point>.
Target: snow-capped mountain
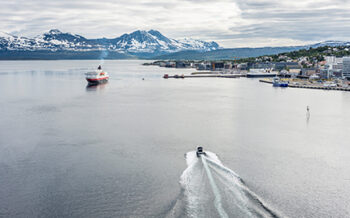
<point>137,42</point>
<point>154,41</point>
<point>52,41</point>
<point>331,43</point>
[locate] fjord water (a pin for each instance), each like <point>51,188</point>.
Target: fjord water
<point>123,149</point>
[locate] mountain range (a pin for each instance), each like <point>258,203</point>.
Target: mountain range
<point>140,44</point>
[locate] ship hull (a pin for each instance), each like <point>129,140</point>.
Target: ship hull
<point>97,81</point>
<point>280,84</point>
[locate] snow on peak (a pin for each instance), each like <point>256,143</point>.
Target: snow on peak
<point>154,41</point>
<point>55,31</point>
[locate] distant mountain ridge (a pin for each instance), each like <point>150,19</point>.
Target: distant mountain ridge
<point>331,43</point>
<point>230,53</point>
<point>139,43</point>
<point>225,54</point>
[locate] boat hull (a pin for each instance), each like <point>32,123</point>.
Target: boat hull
<point>97,81</point>
<point>280,84</point>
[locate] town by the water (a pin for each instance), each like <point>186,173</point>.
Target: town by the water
<point>316,68</point>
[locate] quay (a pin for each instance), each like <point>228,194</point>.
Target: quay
<point>166,76</point>
<point>309,86</point>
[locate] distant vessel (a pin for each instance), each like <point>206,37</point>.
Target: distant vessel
<point>179,76</point>
<point>261,73</point>
<point>96,77</point>
<point>166,76</point>
<point>278,83</point>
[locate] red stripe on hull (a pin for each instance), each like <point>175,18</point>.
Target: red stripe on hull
<point>97,79</point>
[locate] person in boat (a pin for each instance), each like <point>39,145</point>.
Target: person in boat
<point>99,67</point>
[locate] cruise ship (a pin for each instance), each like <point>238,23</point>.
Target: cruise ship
<point>96,77</point>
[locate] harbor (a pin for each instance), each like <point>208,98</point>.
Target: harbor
<point>322,86</point>
<point>183,76</point>
<point>276,81</point>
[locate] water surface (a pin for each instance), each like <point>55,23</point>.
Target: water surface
<point>117,150</point>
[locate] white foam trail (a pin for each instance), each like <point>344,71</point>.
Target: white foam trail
<point>207,180</point>
<point>215,189</point>
<point>189,181</point>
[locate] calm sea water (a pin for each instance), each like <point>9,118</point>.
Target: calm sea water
<point>123,149</point>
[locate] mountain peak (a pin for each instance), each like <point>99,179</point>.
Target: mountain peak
<point>154,32</point>
<point>138,32</point>
<point>55,31</point>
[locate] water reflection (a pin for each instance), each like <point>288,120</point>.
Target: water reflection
<point>96,87</point>
<point>308,117</point>
<point>307,114</point>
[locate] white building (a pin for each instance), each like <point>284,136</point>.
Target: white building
<point>334,66</point>
<point>333,60</point>
<point>346,67</point>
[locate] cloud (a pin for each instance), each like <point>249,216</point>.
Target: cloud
<point>232,23</point>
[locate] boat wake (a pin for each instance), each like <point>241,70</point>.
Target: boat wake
<point>209,189</point>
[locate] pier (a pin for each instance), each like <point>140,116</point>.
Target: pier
<point>309,86</point>
<point>203,76</point>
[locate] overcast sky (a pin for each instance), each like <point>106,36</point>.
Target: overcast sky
<point>231,23</point>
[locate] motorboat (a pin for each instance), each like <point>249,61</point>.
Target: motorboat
<point>276,82</point>
<point>96,77</point>
<point>200,151</point>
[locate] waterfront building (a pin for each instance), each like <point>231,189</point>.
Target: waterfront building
<point>286,65</point>
<point>295,71</point>
<point>242,66</point>
<point>182,64</point>
<point>262,65</point>
<point>333,60</point>
<point>346,67</point>
<point>308,71</point>
<point>203,66</point>
<point>170,64</point>
<point>333,67</point>
<point>217,66</point>
<point>228,65</point>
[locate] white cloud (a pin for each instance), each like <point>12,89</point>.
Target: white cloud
<point>232,23</point>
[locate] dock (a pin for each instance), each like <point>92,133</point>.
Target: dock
<point>204,76</point>
<point>310,86</point>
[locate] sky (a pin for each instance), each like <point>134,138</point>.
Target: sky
<point>231,23</point>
